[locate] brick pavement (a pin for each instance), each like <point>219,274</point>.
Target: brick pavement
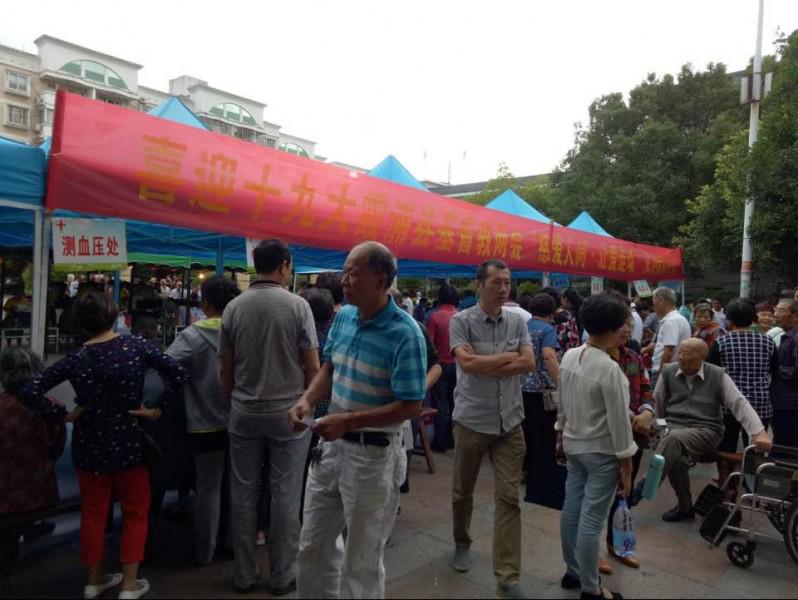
<point>676,562</point>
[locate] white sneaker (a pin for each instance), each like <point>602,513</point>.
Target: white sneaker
<point>111,580</point>
<point>143,590</point>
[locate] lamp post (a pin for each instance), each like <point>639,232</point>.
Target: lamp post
<point>746,267</point>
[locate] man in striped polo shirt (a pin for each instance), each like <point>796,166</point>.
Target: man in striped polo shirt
<point>375,371</point>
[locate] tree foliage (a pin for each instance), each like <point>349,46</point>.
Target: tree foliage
<point>638,161</point>
<point>713,237</point>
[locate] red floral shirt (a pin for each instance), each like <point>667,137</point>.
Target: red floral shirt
<point>640,393</point>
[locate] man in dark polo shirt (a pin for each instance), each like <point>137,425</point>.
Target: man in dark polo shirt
<point>492,349</point>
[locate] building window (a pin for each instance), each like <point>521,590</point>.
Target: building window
<point>16,116</point>
<point>94,72</point>
<point>233,112</point>
<point>243,133</point>
<point>17,83</point>
<point>292,148</point>
<point>45,116</point>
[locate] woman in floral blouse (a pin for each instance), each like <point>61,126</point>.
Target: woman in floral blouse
<point>706,328</point>
<point>108,447</point>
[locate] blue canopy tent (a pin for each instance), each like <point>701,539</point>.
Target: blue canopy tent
<point>511,203</point>
<point>391,169</point>
<point>22,174</point>
<point>584,222</point>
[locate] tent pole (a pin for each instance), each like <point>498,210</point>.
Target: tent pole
<point>117,287</point>
<point>2,284</point>
<point>683,302</point>
<point>40,271</point>
<point>294,286</point>
<point>220,260</point>
<point>628,289</point>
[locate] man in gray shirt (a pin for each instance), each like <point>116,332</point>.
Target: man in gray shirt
<point>492,348</point>
<point>269,354</point>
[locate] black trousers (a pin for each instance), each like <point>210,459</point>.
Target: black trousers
<point>442,396</point>
<point>785,428</point>
<point>545,480</point>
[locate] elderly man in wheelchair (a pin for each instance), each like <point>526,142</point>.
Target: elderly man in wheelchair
<point>690,396</point>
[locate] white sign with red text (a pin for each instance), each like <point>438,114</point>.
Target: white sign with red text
<point>100,243</point>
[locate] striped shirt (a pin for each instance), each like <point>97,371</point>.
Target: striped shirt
<point>376,362</point>
<point>745,356</point>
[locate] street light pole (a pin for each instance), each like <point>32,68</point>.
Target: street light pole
<point>753,133</point>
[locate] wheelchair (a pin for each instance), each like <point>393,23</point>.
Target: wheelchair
<point>765,484</point>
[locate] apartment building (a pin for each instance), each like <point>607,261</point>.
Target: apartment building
<point>30,81</point>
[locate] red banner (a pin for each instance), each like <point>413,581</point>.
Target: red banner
<point>112,161</point>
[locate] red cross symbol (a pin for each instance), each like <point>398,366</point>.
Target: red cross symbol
<point>61,224</point>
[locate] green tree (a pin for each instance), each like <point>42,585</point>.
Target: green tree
<point>713,237</point>
<point>638,161</point>
<point>504,180</point>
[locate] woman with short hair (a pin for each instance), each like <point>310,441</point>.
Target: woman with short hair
<point>706,328</point>
<point>29,448</point>
<point>108,446</point>
<point>595,434</point>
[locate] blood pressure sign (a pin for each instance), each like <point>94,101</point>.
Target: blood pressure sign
<point>89,244</point>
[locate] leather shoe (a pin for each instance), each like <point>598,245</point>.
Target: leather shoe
<point>630,561</point>
<point>675,515</point>
<point>605,568</point>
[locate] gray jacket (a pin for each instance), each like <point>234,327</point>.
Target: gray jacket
<point>195,348</point>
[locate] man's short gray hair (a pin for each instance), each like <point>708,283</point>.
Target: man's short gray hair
<point>666,294</point>
<point>381,261</point>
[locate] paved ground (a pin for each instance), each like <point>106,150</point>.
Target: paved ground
<point>677,563</point>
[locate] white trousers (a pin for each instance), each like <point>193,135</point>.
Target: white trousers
<point>356,487</point>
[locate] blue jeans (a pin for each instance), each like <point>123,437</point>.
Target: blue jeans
<point>589,491</point>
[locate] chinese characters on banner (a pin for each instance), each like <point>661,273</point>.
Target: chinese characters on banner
<point>153,170</point>
<point>97,243</point>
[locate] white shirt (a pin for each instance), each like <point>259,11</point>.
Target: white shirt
<point>637,330</point>
<point>514,307</point>
<point>593,412</point>
<point>178,294</point>
<point>775,333</point>
<point>673,330</point>
<point>407,303</point>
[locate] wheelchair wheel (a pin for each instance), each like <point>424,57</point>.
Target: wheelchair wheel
<point>741,555</point>
<point>791,531</point>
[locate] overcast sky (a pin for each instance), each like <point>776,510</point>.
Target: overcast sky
<point>437,83</point>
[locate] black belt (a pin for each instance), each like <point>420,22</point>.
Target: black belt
<point>368,438</point>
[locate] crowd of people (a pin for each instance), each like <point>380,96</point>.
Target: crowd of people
<point>293,413</point>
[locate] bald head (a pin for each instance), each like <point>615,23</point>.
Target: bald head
<point>378,258</point>
<point>691,354</point>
